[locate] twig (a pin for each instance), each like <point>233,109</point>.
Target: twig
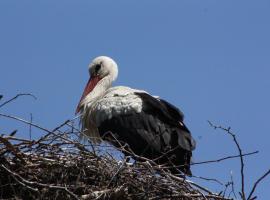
<point>233,191</point>
<point>13,133</point>
<point>208,179</point>
<point>213,161</point>
<point>224,158</point>
<point>228,130</point>
<point>61,125</point>
<point>118,170</point>
<point>190,196</point>
<point>30,126</point>
<point>190,182</point>
<point>34,125</point>
<point>15,151</point>
<point>26,122</point>
<point>18,95</point>
<point>256,184</point>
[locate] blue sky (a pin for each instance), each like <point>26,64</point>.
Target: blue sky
<point>210,58</point>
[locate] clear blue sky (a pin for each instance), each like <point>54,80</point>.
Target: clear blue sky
<point>210,58</point>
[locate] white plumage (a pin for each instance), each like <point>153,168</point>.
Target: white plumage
<point>117,101</point>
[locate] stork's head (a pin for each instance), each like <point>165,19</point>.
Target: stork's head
<point>100,68</point>
<point>103,66</point>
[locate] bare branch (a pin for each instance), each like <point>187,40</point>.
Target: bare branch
<point>256,184</point>
<point>26,122</point>
<point>224,158</point>
<point>208,179</point>
<point>30,126</point>
<point>35,125</point>
<point>228,131</point>
<point>15,151</point>
<point>233,190</point>
<point>18,95</point>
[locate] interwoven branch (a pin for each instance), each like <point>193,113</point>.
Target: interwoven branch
<point>58,166</point>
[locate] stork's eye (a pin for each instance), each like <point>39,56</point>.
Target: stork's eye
<point>97,68</point>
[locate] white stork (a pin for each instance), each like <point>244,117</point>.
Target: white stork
<point>150,127</point>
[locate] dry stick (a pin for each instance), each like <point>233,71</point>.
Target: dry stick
<point>194,184</point>
<point>200,187</point>
<point>15,151</point>
<point>256,183</point>
<point>26,122</point>
<point>40,184</point>
<point>208,179</point>
<point>224,158</point>
<point>212,161</point>
<point>226,187</point>
<point>50,132</point>
<point>91,144</point>
<point>30,126</point>
<point>61,125</point>
<point>232,185</point>
<point>9,137</point>
<point>228,130</point>
<point>218,160</point>
<point>233,191</point>
<point>35,125</point>
<point>18,95</point>
<point>13,133</point>
<point>116,173</point>
<point>191,196</point>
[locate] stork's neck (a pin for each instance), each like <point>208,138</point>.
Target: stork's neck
<point>100,89</point>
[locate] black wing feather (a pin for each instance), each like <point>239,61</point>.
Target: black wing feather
<point>153,133</point>
<point>169,114</point>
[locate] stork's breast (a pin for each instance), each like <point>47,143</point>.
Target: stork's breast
<point>115,105</point>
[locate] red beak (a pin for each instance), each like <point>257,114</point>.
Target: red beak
<point>91,84</point>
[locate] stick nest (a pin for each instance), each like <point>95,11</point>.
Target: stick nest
<point>59,166</point>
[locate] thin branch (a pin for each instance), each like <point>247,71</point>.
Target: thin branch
<point>30,126</point>
<point>256,184</point>
<point>208,179</point>
<point>15,151</point>
<point>26,122</point>
<point>35,125</point>
<point>213,161</point>
<point>224,158</point>
<point>189,196</point>
<point>228,130</point>
<point>190,182</point>
<point>233,190</point>
<point>18,95</point>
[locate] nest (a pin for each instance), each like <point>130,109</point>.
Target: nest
<point>59,166</point>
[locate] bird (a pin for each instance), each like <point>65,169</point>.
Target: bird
<point>145,125</point>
